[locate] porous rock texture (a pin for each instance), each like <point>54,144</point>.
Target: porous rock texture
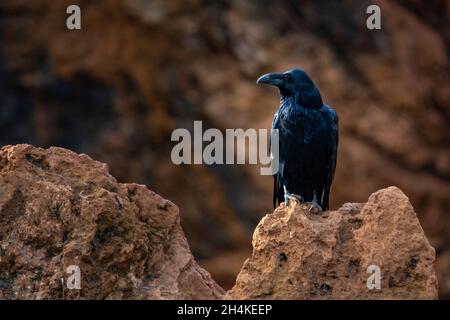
<point>301,255</point>
<point>58,209</point>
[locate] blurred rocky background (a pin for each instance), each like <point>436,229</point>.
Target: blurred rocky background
<point>139,69</point>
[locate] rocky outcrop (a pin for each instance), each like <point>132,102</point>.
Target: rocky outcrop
<point>59,209</point>
<point>301,255</point>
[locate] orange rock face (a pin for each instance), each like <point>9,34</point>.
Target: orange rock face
<point>300,255</point>
<point>59,209</point>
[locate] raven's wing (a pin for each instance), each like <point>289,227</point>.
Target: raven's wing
<point>278,192</point>
<point>332,155</point>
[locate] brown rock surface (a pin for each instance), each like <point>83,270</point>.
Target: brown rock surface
<point>58,209</point>
<point>300,255</point>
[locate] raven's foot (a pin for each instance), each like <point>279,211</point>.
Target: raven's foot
<point>293,197</point>
<point>315,208</point>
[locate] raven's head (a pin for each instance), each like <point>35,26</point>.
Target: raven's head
<point>294,84</point>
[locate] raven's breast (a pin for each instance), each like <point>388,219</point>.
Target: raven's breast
<point>303,145</point>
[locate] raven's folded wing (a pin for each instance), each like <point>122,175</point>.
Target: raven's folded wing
<point>332,158</point>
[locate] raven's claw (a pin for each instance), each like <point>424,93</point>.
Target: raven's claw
<point>296,197</point>
<point>293,197</point>
<point>315,208</point>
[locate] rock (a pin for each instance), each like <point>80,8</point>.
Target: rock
<point>59,209</point>
<point>300,255</point>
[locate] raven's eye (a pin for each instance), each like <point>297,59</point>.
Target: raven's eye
<point>286,77</point>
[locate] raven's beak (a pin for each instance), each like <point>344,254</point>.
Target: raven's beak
<point>272,79</point>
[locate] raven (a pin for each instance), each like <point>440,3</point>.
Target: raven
<point>308,140</point>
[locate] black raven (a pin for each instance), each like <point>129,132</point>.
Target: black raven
<point>308,140</point>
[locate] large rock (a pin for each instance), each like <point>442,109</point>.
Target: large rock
<point>300,255</point>
<point>59,209</point>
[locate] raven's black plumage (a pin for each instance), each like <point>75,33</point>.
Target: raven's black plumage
<point>308,139</point>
